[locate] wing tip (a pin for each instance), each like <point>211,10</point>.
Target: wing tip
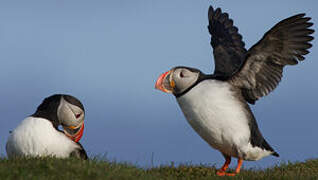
<point>214,13</point>
<point>300,15</point>
<point>311,31</point>
<point>210,11</point>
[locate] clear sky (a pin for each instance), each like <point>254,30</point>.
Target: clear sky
<point>109,55</point>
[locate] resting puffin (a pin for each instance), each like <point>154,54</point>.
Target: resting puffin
<point>38,134</point>
<point>216,105</point>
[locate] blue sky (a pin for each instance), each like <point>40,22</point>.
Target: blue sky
<point>109,55</point>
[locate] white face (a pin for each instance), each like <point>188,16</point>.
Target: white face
<point>177,80</point>
<point>183,78</point>
<point>71,117</point>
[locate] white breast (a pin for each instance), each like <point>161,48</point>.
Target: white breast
<point>37,137</point>
<point>217,116</point>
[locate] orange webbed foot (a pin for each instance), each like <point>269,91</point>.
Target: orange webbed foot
<point>221,172</point>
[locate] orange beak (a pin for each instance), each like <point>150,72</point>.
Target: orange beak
<point>163,84</point>
<point>74,133</point>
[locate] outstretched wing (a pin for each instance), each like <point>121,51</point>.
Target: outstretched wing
<point>228,47</point>
<point>285,44</point>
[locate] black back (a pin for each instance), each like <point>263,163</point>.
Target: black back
<point>48,109</point>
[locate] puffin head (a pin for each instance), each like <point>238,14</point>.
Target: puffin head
<point>178,80</point>
<point>64,110</point>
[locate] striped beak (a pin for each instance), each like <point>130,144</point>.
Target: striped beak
<point>74,132</point>
<point>165,83</point>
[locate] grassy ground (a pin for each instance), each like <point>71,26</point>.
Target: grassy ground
<point>50,168</point>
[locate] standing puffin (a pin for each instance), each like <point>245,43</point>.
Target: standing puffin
<point>38,134</point>
<point>215,105</point>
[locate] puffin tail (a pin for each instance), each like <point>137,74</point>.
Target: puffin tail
<point>266,146</point>
<point>275,154</point>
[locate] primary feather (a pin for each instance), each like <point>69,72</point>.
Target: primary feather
<point>257,71</point>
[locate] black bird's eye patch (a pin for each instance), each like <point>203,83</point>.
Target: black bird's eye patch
<point>78,115</point>
<point>181,74</point>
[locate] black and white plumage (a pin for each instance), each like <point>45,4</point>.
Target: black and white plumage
<point>216,105</point>
<point>38,134</point>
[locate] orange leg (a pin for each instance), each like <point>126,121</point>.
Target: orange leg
<point>221,172</point>
<point>237,170</point>
<point>239,165</point>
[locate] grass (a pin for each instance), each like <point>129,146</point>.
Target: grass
<point>51,168</point>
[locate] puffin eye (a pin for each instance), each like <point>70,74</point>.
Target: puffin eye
<point>181,74</point>
<point>78,115</point>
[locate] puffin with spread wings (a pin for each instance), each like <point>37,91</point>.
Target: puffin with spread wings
<point>216,105</point>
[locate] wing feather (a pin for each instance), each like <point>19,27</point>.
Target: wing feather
<point>285,44</point>
<point>228,47</point>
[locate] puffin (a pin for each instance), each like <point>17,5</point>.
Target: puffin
<point>39,135</point>
<point>217,105</point>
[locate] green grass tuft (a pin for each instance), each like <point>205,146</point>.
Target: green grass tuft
<point>52,168</point>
